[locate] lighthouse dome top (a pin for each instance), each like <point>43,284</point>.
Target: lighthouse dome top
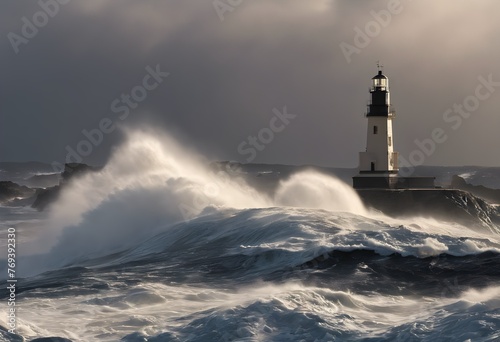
<point>379,76</point>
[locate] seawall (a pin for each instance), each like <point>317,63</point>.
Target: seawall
<point>444,204</point>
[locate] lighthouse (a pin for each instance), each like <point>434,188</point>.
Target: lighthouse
<point>379,157</point>
<point>378,164</point>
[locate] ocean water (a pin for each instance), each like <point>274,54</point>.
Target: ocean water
<point>155,247</point>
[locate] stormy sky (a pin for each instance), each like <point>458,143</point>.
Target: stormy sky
<point>232,65</point>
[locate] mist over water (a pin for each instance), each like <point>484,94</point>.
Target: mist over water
<point>310,189</point>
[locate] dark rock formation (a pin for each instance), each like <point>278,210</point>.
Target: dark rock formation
<point>44,197</point>
<point>10,191</point>
<point>444,204</point>
<point>491,195</point>
<point>74,169</point>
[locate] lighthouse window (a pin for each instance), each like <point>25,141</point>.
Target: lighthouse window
<point>380,83</point>
<point>390,141</point>
<point>375,129</point>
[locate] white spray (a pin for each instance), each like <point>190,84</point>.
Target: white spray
<point>152,181</point>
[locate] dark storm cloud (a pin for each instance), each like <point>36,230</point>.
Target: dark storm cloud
<point>226,77</point>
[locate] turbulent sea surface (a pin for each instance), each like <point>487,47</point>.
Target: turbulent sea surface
<point>155,248</point>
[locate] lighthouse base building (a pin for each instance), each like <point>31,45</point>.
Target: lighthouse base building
<point>393,182</point>
<point>378,165</point>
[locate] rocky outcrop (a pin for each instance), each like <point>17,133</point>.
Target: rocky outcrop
<point>44,197</point>
<point>491,195</point>
<point>444,204</point>
<point>10,192</point>
<point>75,169</point>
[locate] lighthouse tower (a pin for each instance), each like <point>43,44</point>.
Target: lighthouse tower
<point>378,165</point>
